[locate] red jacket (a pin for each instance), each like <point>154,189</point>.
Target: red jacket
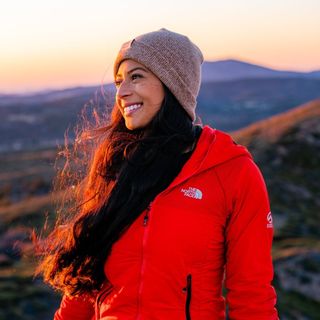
<point>212,224</point>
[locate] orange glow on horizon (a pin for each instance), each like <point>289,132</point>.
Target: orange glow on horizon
<point>52,45</point>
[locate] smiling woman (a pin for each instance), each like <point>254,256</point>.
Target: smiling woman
<point>139,94</point>
<point>168,211</point>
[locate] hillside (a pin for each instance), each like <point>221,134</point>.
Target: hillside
<point>287,149</point>
<point>272,129</point>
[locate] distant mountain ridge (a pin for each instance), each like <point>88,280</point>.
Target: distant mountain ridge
<point>226,70</point>
<point>40,120</point>
<point>220,70</point>
<point>242,94</point>
<point>47,96</point>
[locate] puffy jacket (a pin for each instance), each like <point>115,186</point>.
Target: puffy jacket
<point>211,226</point>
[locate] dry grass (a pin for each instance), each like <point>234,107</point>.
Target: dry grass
<point>28,206</point>
<point>271,129</point>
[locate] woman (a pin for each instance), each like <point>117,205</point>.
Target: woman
<point>169,211</point>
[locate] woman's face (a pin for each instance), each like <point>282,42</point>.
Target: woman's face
<point>139,94</point>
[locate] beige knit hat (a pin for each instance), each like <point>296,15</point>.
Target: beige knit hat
<point>173,58</point>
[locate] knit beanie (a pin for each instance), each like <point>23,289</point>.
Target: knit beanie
<point>173,58</point>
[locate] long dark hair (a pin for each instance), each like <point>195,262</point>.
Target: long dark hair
<point>125,171</point>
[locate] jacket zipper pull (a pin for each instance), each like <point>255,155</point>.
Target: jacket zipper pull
<point>146,217</point>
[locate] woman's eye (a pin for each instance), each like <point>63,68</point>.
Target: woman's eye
<point>135,76</point>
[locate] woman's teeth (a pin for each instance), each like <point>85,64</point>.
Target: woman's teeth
<point>130,109</point>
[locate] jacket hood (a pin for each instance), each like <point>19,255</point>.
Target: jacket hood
<point>214,147</point>
<point>217,147</point>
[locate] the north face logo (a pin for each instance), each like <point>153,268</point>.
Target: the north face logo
<point>269,220</point>
<point>192,193</point>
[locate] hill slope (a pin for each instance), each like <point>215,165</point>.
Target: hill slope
<point>287,147</point>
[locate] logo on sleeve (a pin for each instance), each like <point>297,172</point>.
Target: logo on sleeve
<point>192,193</point>
<point>269,220</point>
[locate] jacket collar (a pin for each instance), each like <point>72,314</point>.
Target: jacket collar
<point>214,147</point>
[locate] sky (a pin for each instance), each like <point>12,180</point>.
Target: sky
<point>65,43</point>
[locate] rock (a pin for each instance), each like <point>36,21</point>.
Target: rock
<point>12,241</point>
<point>5,261</point>
<point>300,273</point>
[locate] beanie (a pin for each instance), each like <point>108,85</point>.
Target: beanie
<point>173,58</point>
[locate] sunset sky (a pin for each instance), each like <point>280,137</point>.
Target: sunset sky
<point>64,43</point>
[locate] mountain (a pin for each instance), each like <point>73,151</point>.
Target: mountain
<point>315,74</point>
<point>47,96</point>
<point>234,104</point>
<point>287,147</point>
<point>220,70</point>
<point>226,70</point>
<point>39,120</point>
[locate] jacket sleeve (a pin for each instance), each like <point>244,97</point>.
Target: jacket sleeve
<point>249,233</point>
<point>75,309</point>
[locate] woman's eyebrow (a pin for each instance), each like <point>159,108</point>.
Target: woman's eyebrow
<point>137,68</point>
<point>132,70</point>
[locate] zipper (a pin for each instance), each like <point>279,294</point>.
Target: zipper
<point>100,298</point>
<point>188,290</point>
<point>146,216</point>
<point>145,224</point>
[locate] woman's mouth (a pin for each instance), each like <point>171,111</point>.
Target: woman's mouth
<point>130,109</point>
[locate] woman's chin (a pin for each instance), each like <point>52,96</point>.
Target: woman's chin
<point>133,125</point>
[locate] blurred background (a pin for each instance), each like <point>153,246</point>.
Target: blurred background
<point>261,83</point>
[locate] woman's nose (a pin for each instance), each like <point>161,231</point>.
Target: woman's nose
<point>124,89</point>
